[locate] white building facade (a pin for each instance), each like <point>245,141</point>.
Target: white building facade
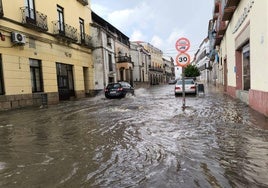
<point>141,60</point>
<point>242,38</point>
<point>103,54</point>
<point>202,61</point>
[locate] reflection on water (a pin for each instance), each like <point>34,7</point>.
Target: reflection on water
<point>141,141</point>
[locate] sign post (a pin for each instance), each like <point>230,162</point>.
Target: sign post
<point>182,60</point>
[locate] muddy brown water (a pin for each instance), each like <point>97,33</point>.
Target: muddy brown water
<point>146,140</point>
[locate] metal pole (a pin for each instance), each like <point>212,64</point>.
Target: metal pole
<point>183,89</point>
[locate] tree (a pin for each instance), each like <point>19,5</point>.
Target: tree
<point>191,71</point>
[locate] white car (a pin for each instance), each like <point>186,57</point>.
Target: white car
<point>190,86</point>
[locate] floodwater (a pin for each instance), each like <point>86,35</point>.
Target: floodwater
<point>146,140</point>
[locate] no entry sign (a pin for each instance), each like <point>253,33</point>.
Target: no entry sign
<point>183,59</point>
<point>182,44</point>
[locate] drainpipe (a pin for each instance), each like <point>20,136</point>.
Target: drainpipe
<point>103,65</point>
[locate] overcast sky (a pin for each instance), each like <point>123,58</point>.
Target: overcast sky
<point>159,22</point>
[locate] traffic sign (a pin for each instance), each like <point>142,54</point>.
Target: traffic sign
<point>182,44</point>
<point>183,59</point>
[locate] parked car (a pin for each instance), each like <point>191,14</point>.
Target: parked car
<point>172,81</point>
<point>190,86</point>
<point>118,90</point>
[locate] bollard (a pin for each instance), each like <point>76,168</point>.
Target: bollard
<point>200,89</point>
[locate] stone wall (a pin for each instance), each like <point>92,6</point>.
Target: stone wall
<point>25,100</point>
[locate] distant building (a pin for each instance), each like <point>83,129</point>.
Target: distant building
<point>111,54</point>
<point>141,59</point>
<point>124,64</point>
<point>103,53</point>
<point>156,68</point>
<point>169,69</point>
<point>202,61</point>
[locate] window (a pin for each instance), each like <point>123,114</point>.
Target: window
<point>36,75</point>
<point>60,19</point>
<point>110,62</point>
<point>1,78</point>
<point>30,11</point>
<point>82,30</point>
<point>109,41</point>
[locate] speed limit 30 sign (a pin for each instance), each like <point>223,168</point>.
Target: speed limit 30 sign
<point>183,59</point>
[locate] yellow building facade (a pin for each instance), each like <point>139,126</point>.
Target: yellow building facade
<point>45,52</point>
<point>156,68</point>
<point>124,64</point>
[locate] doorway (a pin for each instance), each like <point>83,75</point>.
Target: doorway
<point>246,67</point>
<point>86,79</point>
<point>65,81</point>
<point>225,74</point>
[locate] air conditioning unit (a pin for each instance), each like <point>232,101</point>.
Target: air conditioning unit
<point>18,38</point>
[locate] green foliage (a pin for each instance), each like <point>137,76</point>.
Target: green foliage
<point>191,71</point>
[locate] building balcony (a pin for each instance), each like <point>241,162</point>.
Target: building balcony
<point>212,54</point>
<point>65,31</point>
<point>215,16</point>
<point>228,13</point>
<point>34,19</point>
<point>85,40</point>
<point>216,10</point>
<point>123,59</point>
<point>231,3</point>
<point>228,9</point>
<point>156,69</point>
<point>221,27</point>
<point>83,2</point>
<point>209,66</point>
<point>218,40</point>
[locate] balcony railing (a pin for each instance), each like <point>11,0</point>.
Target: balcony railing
<point>123,59</point>
<point>83,2</point>
<point>216,10</point>
<point>157,69</point>
<point>85,40</point>
<point>65,31</point>
<point>232,3</point>
<point>221,27</point>
<point>1,9</point>
<point>34,19</point>
<point>228,13</point>
<point>218,40</point>
<point>228,9</point>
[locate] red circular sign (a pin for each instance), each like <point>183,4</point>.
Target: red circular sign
<point>182,44</point>
<point>183,59</point>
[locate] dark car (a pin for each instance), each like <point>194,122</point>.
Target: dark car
<point>172,81</point>
<point>118,90</point>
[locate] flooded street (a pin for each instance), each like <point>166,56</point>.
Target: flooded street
<point>145,140</point>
